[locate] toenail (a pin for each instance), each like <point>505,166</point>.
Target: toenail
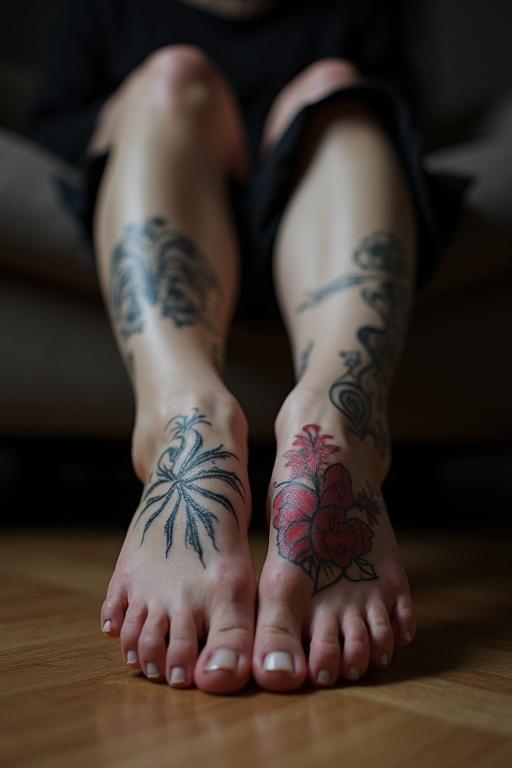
<point>224,658</point>
<point>278,661</point>
<point>324,677</point>
<point>152,670</point>
<point>384,660</point>
<point>131,657</point>
<point>178,676</point>
<point>353,673</point>
<point>408,636</point>
<point>107,626</point>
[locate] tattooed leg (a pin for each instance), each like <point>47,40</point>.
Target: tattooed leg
<point>333,578</point>
<point>168,267</point>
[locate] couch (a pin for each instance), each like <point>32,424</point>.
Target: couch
<point>61,373</point>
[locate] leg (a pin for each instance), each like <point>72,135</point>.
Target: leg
<point>168,267</point>
<point>344,270</point>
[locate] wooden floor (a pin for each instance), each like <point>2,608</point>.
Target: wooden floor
<point>68,700</point>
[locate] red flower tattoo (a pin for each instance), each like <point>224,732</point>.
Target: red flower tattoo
<point>318,517</point>
<point>311,453</point>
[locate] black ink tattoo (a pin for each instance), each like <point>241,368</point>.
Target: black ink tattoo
<point>361,392</point>
<point>157,266</point>
<point>305,356</point>
<point>184,475</point>
<point>379,252</point>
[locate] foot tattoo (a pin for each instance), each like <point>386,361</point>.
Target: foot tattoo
<point>319,520</point>
<point>183,473</point>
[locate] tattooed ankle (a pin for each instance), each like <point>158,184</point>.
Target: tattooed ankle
<point>360,393</point>
<point>305,357</point>
<point>181,485</point>
<point>322,526</point>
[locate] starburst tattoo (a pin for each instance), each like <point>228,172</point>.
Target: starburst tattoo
<point>187,478</point>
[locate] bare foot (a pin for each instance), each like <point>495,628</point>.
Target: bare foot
<point>333,577</point>
<point>184,575</point>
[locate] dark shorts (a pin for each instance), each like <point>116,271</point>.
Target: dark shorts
<point>259,205</point>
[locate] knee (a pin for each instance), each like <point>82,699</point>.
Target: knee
<point>314,82</point>
<point>182,80</point>
<point>178,77</point>
<point>327,75</point>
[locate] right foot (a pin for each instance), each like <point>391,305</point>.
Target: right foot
<point>184,575</point>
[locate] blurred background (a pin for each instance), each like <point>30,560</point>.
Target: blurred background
<point>65,402</point>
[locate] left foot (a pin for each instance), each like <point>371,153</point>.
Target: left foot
<point>333,576</point>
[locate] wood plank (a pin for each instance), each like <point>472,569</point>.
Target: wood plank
<point>67,699</point>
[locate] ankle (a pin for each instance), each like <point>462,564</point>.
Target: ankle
<point>151,432</point>
<point>306,405</point>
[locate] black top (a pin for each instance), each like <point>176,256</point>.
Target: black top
<point>92,45</point>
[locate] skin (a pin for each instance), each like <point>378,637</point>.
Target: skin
<point>168,267</point>
<point>237,8</point>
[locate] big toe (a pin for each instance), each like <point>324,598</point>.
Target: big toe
<point>279,663</point>
<point>224,665</point>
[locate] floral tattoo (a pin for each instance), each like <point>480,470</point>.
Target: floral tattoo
<point>321,525</point>
<point>187,476</point>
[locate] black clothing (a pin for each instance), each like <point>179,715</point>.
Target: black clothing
<point>94,44</point>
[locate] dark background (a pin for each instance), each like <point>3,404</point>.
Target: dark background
<point>461,62</point>
<point>459,51</point>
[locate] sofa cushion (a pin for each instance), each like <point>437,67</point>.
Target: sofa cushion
<point>38,238</point>
<point>62,373</point>
<point>480,253</point>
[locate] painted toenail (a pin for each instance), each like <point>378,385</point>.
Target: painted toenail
<point>353,673</point>
<point>384,660</point>
<point>278,661</point>
<point>324,677</point>
<point>131,657</point>
<point>107,626</point>
<point>408,636</point>
<point>224,658</point>
<point>178,676</point>
<point>152,670</point>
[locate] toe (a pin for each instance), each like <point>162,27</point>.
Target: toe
<point>152,644</point>
<point>130,632</point>
<point>381,634</point>
<point>404,620</point>
<point>182,650</point>
<point>224,665</point>
<point>112,613</point>
<point>324,651</point>
<point>356,646</point>
<point>279,663</point>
